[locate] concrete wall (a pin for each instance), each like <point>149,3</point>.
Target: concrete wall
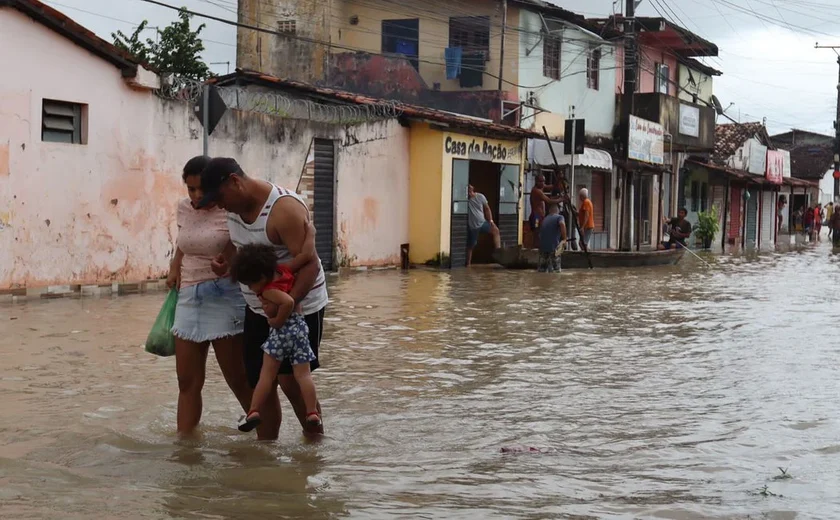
<point>702,88</point>
<point>434,35</point>
<point>426,203</point>
<point>650,56</point>
<point>372,198</point>
<point>596,106</point>
<point>331,22</point>
<point>83,213</point>
<point>282,56</point>
<point>103,211</point>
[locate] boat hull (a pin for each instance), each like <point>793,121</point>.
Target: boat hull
<point>520,258</point>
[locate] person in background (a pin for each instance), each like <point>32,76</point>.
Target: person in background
<point>211,308</point>
<point>798,220</point>
<point>586,219</point>
<point>829,213</point>
<point>808,221</point>
<point>680,231</point>
<point>552,236</point>
<point>780,206</point>
<point>835,227</point>
<point>818,221</point>
<point>480,221</point>
<point>538,201</point>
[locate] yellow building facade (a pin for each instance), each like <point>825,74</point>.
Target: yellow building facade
<point>442,165</point>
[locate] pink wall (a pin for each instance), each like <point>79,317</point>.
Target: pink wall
<point>91,212</point>
<point>650,57</point>
<point>104,212</point>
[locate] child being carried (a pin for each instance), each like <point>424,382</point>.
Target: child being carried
<point>256,266</point>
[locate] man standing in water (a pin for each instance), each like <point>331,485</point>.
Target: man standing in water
<point>480,222</point>
<point>586,219</point>
<point>261,213</point>
<point>552,234</point>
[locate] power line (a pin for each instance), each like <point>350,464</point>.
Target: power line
<point>127,22</point>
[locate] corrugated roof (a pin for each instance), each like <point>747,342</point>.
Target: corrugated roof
<point>551,9</point>
<point>730,137</point>
<point>408,110</point>
<point>65,26</point>
<point>752,178</point>
<point>811,161</point>
<point>700,46</point>
<point>700,66</point>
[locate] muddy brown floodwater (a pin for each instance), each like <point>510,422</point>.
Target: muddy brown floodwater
<point>663,393</point>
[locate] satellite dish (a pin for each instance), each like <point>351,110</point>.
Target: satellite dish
<point>717,105</point>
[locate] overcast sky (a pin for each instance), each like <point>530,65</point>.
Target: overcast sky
<point>771,68</point>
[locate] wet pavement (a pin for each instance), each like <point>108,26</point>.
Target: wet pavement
<point>654,393</point>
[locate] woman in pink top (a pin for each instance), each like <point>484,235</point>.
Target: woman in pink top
<point>210,309</point>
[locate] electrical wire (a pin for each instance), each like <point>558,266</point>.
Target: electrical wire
<point>321,42</point>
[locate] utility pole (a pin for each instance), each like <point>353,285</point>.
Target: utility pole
<point>836,124</point>
<point>626,178</point>
<point>502,47</point>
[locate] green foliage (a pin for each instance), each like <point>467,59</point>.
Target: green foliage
<point>707,225</point>
<point>177,49</point>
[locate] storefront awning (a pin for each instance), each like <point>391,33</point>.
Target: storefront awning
<point>752,178</point>
<point>591,157</point>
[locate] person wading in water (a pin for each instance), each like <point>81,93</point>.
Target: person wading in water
<point>538,201</point>
<point>264,214</point>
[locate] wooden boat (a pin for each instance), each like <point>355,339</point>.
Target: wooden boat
<point>520,258</point>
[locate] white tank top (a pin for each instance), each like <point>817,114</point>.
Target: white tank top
<point>242,233</point>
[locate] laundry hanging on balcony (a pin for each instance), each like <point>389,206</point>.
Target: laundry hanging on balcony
<point>453,62</point>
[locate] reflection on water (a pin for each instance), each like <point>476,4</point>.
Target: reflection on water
<point>661,393</point>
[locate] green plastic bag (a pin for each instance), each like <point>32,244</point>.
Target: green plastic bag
<point>161,342</point>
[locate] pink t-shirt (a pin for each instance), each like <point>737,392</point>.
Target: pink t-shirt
<point>202,235</point>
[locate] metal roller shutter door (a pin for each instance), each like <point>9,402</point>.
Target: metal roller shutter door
<point>324,207</point>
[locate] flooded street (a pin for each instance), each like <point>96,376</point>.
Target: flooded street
<point>662,393</point>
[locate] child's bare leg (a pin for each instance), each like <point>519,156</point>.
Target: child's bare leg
<point>266,384</point>
<point>307,387</point>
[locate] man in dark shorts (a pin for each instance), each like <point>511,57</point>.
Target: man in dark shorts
<point>479,222</point>
<point>262,213</point>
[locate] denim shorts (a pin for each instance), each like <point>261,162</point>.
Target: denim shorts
<point>209,310</point>
<point>473,234</point>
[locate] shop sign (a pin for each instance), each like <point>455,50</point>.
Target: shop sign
<point>476,149</point>
<point>647,141</point>
<point>756,157</point>
<point>775,166</point>
<point>689,120</point>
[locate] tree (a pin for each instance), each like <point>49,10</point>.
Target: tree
<point>177,49</point>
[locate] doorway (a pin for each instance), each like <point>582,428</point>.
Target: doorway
<point>499,183</point>
<point>751,235</point>
<point>642,203</point>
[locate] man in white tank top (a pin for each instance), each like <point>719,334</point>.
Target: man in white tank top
<point>261,213</point>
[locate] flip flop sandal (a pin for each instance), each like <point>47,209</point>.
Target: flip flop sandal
<point>313,420</point>
<point>248,422</point>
